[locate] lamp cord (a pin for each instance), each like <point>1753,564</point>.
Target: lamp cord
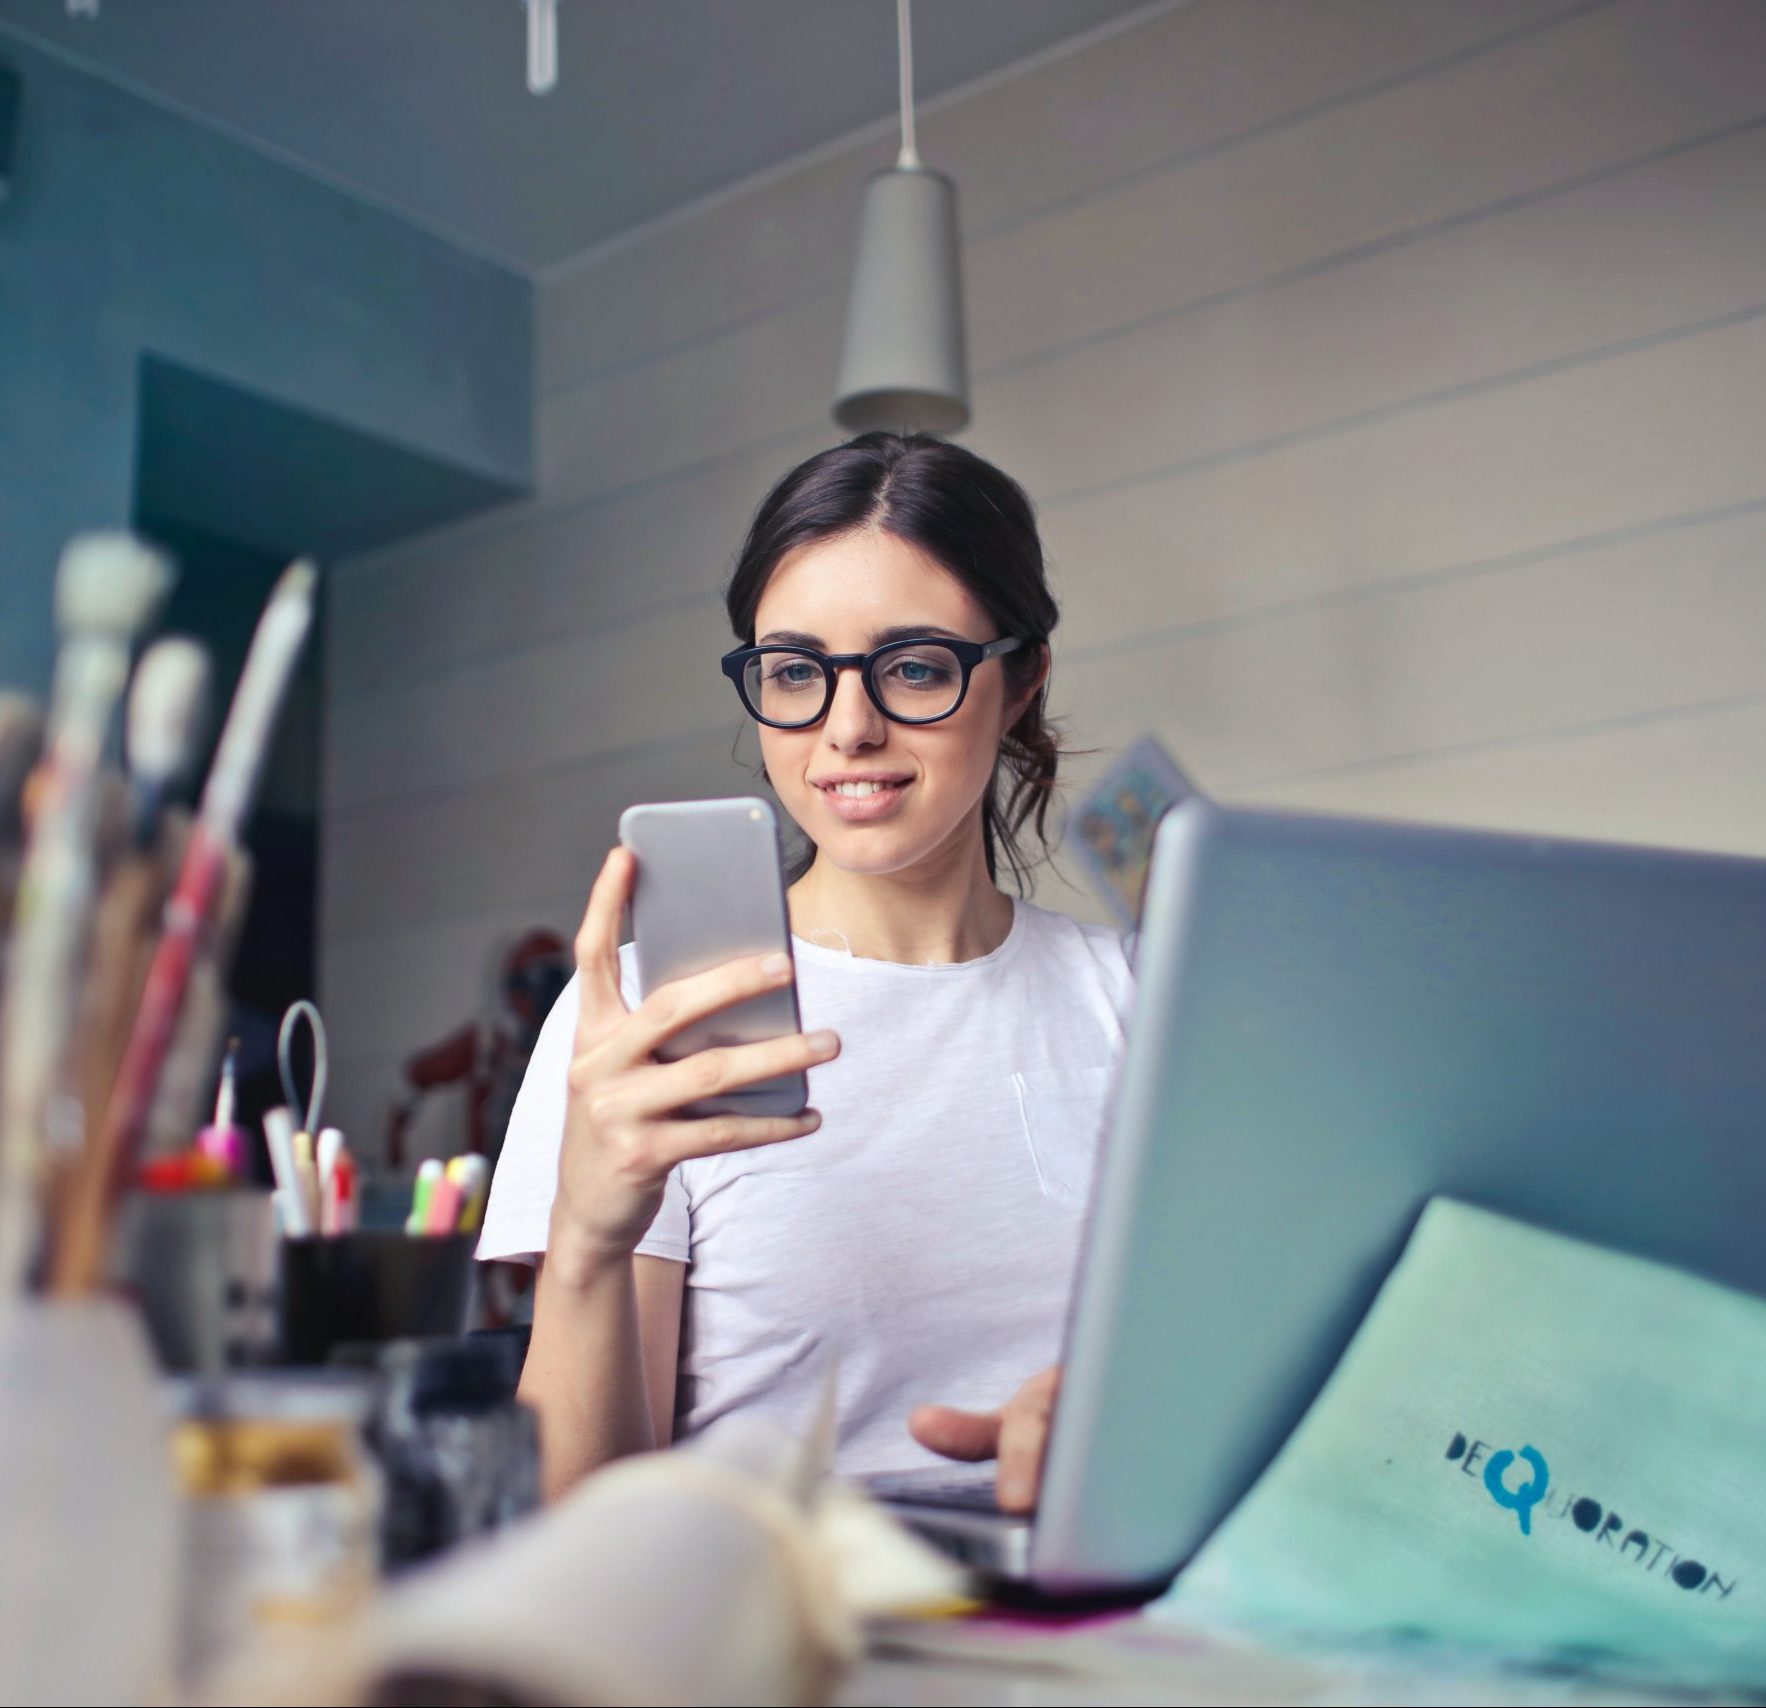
<point>904,32</point>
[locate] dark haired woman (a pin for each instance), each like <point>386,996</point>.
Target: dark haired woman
<point>921,1230</point>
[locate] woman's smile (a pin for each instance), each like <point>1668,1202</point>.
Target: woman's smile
<point>862,797</point>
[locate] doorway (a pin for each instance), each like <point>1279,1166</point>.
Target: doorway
<point>234,485</point>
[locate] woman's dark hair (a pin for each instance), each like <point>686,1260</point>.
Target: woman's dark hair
<point>975,521</point>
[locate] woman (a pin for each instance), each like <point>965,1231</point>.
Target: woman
<point>920,1231</point>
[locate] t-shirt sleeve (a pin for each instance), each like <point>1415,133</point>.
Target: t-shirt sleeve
<point>671,1234</point>
<point>520,1209</point>
<point>1113,954</point>
<point>526,1179</point>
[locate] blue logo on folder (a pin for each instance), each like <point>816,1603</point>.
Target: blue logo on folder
<point>1519,1501</point>
<point>1582,1516</point>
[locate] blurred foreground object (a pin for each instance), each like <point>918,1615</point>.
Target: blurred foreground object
<point>161,736</point>
<point>168,701</point>
<point>211,857</point>
<point>108,589</point>
<point>88,1566</point>
<point>728,1571</point>
<point>21,741</point>
<point>203,1266</point>
<point>459,1453</point>
<point>281,1508</point>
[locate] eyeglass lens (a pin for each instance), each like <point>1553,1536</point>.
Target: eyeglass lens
<point>920,681</point>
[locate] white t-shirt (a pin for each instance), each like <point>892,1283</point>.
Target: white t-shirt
<point>924,1237</point>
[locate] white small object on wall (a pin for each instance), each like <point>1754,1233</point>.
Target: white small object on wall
<point>542,45</point>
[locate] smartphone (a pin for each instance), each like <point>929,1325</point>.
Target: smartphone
<point>710,889</point>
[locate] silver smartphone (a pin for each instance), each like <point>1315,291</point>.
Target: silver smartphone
<point>710,889</point>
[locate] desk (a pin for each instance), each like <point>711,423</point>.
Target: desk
<point>532,1606</point>
<point>1134,1660</point>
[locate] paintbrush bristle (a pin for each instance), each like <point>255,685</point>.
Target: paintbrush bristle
<point>109,584</point>
<point>21,741</point>
<point>166,705</point>
<point>21,737</point>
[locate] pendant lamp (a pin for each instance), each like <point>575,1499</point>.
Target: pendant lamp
<point>903,364</point>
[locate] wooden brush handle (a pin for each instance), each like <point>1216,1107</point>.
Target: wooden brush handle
<point>77,1264</point>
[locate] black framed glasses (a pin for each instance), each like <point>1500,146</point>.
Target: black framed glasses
<point>909,681</point>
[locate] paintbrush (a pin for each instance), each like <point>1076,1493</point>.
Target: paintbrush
<point>107,590</point>
<point>187,1074</point>
<point>21,741</point>
<point>167,704</point>
<point>160,741</point>
<point>245,739</point>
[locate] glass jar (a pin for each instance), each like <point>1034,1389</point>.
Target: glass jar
<point>281,1507</point>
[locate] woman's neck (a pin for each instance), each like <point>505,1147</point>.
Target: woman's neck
<point>939,911</point>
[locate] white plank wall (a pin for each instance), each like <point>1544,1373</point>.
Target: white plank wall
<point>1390,375</point>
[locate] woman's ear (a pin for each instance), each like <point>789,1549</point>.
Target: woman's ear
<point>1025,697</point>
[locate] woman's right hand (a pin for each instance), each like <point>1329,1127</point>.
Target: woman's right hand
<point>622,1129</point>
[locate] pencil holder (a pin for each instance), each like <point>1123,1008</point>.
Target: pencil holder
<point>203,1266</point>
<point>376,1285</point>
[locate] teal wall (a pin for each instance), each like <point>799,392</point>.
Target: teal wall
<point>132,231</point>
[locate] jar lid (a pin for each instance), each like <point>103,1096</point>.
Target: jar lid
<point>290,1396</point>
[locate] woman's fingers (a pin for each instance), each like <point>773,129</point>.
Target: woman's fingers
<point>1024,1434</point>
<point>1024,1439</point>
<point>955,1433</point>
<point>597,945</point>
<point>714,1135</point>
<point>671,1008</point>
<point>713,1073</point>
<point>1017,1435</point>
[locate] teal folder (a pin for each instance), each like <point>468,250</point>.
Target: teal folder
<point>1533,1448</point>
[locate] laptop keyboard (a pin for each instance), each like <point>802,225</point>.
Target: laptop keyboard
<point>968,1493</point>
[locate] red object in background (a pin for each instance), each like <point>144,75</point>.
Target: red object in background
<point>489,1059</point>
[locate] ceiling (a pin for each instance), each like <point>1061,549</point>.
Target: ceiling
<point>422,105</point>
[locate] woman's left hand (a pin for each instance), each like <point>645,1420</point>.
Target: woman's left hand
<point>1016,1435</point>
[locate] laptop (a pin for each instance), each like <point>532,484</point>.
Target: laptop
<point>1337,1019</point>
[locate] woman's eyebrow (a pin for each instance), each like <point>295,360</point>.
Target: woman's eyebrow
<point>914,631</point>
<point>881,637</point>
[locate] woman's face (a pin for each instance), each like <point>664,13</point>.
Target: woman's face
<point>850,594</point>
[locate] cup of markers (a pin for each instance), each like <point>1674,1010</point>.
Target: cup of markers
<point>355,1286</point>
<point>318,1186</point>
<point>449,1198</point>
